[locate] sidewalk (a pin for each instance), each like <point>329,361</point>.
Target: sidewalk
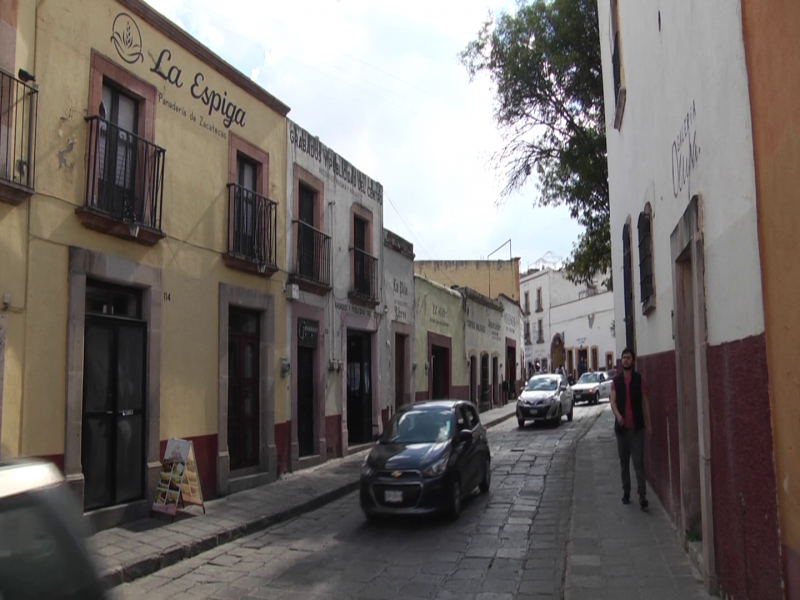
<point>615,550</point>
<point>138,549</point>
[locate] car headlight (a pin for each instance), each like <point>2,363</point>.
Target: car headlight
<point>436,468</point>
<point>592,390</point>
<point>366,468</point>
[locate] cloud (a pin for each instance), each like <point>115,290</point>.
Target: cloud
<point>380,83</point>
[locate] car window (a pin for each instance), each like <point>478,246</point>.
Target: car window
<point>538,384</point>
<point>473,416</point>
<point>461,419</point>
<point>471,419</point>
<point>419,427</point>
<point>588,378</point>
<point>38,557</point>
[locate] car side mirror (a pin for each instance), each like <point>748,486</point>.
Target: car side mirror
<point>563,386</point>
<point>465,435</point>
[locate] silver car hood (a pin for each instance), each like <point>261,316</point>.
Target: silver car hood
<point>581,387</point>
<point>537,395</point>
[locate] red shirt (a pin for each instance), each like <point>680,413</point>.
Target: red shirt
<point>629,424</point>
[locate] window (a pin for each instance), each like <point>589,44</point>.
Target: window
<point>116,147</point>
<point>527,303</point>
<point>311,262</point>
<point>18,125</point>
<point>540,333</point>
<point>646,275</point>
<point>595,362</point>
<point>252,217</point>
<point>484,379</point>
<point>620,92</point>
<point>627,285</point>
<point>363,266</point>
<point>539,300</point>
<point>609,360</point>
<point>527,332</point>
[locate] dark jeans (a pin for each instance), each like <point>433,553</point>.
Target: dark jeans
<point>631,443</point>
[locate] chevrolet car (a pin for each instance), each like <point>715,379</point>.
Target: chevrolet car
<point>545,398</point>
<point>428,459</point>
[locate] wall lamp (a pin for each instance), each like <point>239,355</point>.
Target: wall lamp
<point>285,367</point>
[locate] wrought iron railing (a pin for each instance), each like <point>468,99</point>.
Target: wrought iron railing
<point>19,112</point>
<point>252,223</point>
<point>124,175</point>
<point>365,271</point>
<point>312,257</point>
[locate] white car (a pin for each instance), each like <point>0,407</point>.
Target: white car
<point>591,387</point>
<point>545,398</point>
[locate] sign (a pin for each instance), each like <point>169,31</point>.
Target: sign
<point>307,333</point>
<point>179,480</point>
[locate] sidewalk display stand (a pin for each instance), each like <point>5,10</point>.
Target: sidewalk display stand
<point>179,480</point>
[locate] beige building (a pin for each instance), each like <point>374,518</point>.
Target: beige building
<point>489,277</point>
<point>143,188</point>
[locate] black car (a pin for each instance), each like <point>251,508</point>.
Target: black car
<point>430,456</point>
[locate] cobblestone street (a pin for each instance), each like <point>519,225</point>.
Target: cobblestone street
<point>510,543</point>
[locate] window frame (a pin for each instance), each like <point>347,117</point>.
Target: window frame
<point>628,286</point>
<point>539,303</point>
<point>647,276</point>
<point>620,90</point>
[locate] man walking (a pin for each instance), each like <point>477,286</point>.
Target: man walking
<point>632,412</point>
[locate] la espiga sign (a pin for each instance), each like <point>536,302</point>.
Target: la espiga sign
<point>216,102</point>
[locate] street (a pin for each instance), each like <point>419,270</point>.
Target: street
<point>509,543</point>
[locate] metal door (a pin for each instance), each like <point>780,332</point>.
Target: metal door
<point>244,402</point>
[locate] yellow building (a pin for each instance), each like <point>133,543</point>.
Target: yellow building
<point>143,187</point>
<point>489,277</point>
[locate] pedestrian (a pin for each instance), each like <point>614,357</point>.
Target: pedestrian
<point>632,412</point>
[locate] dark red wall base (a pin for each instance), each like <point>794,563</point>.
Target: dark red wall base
<point>662,451</point>
<point>743,471</point>
<point>460,392</point>
<point>333,435</point>
<point>283,445</point>
<point>56,459</point>
<point>791,572</point>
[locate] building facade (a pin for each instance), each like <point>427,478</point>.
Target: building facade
<point>566,323</point>
<point>334,250</point>
<point>488,277</point>
<point>398,358</point>
<point>141,202</point>
<point>701,139</point>
<point>483,334</point>
<point>513,366</point>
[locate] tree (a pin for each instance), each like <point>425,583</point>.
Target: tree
<point>544,61</point>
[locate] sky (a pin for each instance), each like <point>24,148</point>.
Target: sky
<point>380,83</point>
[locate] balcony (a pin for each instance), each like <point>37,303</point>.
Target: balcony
<point>364,285</point>
<point>311,268</point>
<point>19,110</point>
<point>124,183</point>
<point>252,223</point>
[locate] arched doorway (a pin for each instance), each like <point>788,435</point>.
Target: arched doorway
<point>557,351</point>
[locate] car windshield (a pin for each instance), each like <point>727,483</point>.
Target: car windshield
<point>419,427</point>
<point>542,384</point>
<point>589,378</point>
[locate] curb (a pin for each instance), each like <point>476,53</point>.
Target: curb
<point>171,556</point>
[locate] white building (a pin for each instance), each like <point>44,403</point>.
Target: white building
<point>564,322</point>
<point>687,269</point>
<point>334,249</point>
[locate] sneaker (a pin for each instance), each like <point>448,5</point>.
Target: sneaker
<point>643,503</point>
<point>626,499</point>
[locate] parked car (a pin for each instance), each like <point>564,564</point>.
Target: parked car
<point>545,398</point>
<point>430,456</point>
<point>591,387</point>
<point>42,553</point>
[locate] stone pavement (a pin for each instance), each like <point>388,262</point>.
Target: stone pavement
<point>137,549</point>
<point>616,550</point>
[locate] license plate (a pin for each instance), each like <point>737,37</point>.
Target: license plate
<point>392,496</point>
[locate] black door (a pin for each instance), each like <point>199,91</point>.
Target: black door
<point>359,388</point>
<point>112,441</point>
<point>305,400</point>
<point>244,403</point>
<point>399,370</point>
<point>440,373</point>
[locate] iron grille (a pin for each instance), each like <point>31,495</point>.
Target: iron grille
<point>252,226</point>
<point>19,112</point>
<point>312,260</point>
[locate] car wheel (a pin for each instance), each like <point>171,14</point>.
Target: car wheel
<point>370,516</point>
<point>596,399</point>
<point>487,476</point>
<point>455,499</point>
<point>557,418</point>
<point>569,414</point>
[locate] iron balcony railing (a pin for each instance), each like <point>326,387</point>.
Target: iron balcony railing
<point>312,259</point>
<point>19,112</point>
<point>252,223</point>
<point>124,175</point>
<point>365,270</point>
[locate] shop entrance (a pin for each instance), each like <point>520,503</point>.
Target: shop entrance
<point>399,370</point>
<point>440,372</point>
<point>359,388</point>
<point>244,406</point>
